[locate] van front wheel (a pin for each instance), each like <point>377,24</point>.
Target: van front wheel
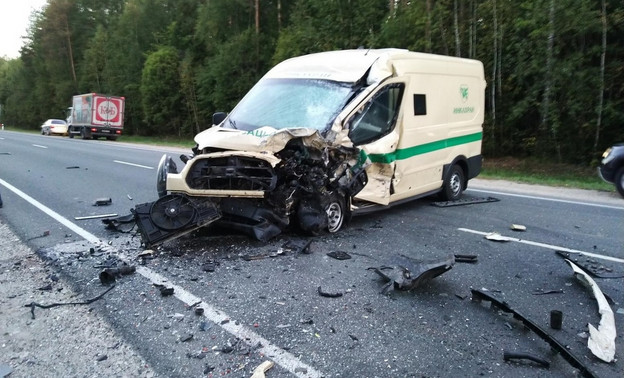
<point>453,184</point>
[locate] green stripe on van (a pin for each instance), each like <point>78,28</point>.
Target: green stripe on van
<point>409,152</point>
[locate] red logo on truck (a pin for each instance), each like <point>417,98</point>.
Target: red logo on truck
<point>108,110</point>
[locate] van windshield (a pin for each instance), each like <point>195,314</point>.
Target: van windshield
<point>290,103</point>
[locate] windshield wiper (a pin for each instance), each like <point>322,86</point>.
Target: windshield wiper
<point>232,123</point>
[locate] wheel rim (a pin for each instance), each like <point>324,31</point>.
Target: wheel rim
<point>455,184</point>
<point>334,217</point>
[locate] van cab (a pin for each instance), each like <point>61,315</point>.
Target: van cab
<point>325,135</point>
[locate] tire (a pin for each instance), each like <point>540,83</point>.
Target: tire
<point>336,213</point>
<point>619,181</point>
<point>453,184</point>
<point>83,134</point>
<point>69,133</point>
<point>111,138</point>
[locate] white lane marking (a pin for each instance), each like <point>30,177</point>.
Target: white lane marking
<point>132,164</point>
<point>59,218</point>
<point>38,145</point>
<point>549,246</point>
<point>283,358</point>
<point>548,199</point>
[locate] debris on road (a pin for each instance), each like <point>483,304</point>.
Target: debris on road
<point>32,305</point>
<point>327,294</point>
<point>479,296</point>
<point>109,275</point>
<point>602,340</point>
<point>95,216</point>
<point>339,255</point>
<point>470,259</point>
<point>556,319</point>
<point>406,273</point>
<point>591,265</point>
<point>543,292</point>
<point>509,356</point>
<point>466,201</point>
<point>103,201</point>
<point>173,216</point>
<point>518,227</point>
<point>496,236</point>
<point>259,371</point>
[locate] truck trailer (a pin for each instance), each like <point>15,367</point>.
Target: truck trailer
<point>95,115</point>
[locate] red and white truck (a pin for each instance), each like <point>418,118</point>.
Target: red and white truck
<point>95,115</point>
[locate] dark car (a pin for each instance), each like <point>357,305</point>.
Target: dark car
<point>611,167</point>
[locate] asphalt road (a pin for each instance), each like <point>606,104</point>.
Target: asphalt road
<point>263,301</point>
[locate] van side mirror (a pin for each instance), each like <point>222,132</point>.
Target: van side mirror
<point>218,117</point>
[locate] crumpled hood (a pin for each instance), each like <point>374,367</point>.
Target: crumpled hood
<point>265,139</point>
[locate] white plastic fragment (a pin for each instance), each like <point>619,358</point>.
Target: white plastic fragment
<point>518,227</point>
<point>495,236</point>
<point>601,341</point>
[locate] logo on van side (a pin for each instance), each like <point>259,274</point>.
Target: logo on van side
<point>463,91</point>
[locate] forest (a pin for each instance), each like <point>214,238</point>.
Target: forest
<point>554,68</point>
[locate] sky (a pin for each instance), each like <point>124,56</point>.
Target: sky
<point>14,21</point>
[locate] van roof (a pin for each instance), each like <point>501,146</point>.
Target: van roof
<point>349,66</point>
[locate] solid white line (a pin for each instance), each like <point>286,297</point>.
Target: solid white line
<point>38,145</point>
<point>548,199</point>
<point>548,246</point>
<point>132,164</point>
<point>283,358</point>
<point>59,218</point>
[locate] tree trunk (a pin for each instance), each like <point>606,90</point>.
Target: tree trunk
<point>456,27</point>
<point>494,67</point>
<point>257,6</point>
<point>71,53</point>
<point>548,82</point>
<point>602,73</point>
<point>428,27</point>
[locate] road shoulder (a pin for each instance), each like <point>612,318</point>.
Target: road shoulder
<point>48,344</point>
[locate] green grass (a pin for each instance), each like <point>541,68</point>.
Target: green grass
<point>532,171</point>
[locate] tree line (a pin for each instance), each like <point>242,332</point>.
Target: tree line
<point>554,68</point>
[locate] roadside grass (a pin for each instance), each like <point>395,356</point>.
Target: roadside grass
<point>532,171</point>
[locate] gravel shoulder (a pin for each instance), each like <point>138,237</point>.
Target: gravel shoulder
<point>63,341</point>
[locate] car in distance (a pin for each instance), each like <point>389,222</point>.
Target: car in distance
<point>611,167</point>
<point>54,126</point>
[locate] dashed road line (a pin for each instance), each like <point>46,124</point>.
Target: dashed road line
<point>548,246</point>
<point>132,164</point>
<point>283,358</point>
<point>39,146</point>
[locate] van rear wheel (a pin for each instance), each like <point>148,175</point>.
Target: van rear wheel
<point>453,184</point>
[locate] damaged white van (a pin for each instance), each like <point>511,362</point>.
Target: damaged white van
<point>325,135</point>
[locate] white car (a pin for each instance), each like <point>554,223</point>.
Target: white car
<point>54,126</point>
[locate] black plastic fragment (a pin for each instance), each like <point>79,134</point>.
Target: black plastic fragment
<point>339,255</point>
<point>508,356</point>
<point>326,294</point>
<point>466,201</point>
<point>478,295</point>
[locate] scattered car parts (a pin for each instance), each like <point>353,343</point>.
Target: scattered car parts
<point>172,216</point>
<point>465,201</point>
<point>479,295</point>
<point>509,356</point>
<point>406,273</point>
<point>602,340</point>
<point>592,266</point>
